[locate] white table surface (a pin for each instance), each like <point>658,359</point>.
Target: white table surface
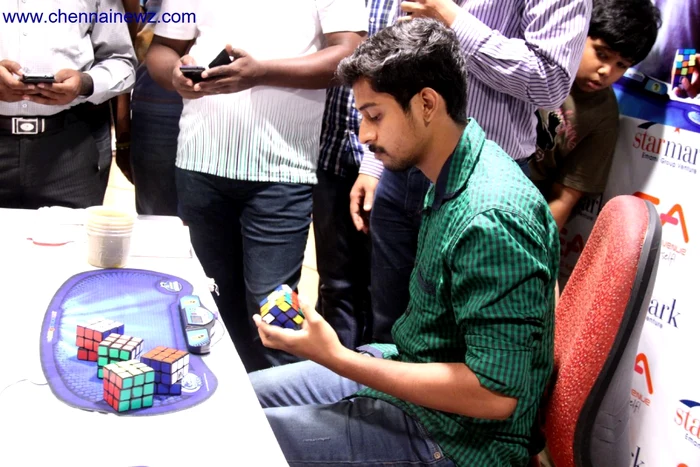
<point>37,429</point>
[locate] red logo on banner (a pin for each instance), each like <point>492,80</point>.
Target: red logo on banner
<point>670,216</point>
<point>641,366</point>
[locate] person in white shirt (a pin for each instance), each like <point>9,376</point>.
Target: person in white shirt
<point>55,146</point>
<point>249,139</point>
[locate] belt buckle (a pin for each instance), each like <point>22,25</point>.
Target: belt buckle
<point>27,126</point>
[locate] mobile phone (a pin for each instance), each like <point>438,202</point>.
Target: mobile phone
<point>222,59</point>
<point>29,78</point>
<point>192,72</point>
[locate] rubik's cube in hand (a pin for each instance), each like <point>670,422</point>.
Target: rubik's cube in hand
<point>281,308</point>
<point>89,335</point>
<point>128,385</point>
<point>683,66</point>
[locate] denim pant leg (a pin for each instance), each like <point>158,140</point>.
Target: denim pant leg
<point>212,215</point>
<point>275,219</point>
<point>315,425</point>
<point>394,224</point>
<point>153,152</point>
<point>342,258</point>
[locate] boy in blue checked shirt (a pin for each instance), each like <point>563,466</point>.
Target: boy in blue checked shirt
<point>474,348</point>
<point>343,252</point>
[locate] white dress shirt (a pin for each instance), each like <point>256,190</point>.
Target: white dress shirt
<point>103,49</point>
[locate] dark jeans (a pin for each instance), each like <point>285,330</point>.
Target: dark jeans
<point>153,151</point>
<point>315,425</point>
<point>250,237</point>
<point>342,258</point>
<point>64,167</point>
<point>155,120</point>
<point>394,224</point>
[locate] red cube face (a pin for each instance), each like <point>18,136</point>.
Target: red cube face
<point>82,354</point>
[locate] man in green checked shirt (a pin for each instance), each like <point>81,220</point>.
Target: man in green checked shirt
<point>474,348</point>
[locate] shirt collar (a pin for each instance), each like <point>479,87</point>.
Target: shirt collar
<point>458,167</point>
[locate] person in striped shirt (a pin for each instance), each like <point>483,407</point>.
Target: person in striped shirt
<point>249,139</point>
<point>521,56</point>
<point>474,348</point>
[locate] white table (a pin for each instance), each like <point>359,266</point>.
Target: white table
<point>36,428</point>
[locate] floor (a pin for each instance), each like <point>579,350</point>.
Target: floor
<point>120,192</point>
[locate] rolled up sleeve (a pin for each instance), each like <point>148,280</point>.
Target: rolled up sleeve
<point>499,296</point>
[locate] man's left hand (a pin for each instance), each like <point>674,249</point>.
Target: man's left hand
<point>243,73</point>
<point>68,86</point>
<point>316,340</point>
<point>445,11</point>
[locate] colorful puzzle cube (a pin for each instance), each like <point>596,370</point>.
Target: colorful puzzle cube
<point>117,348</point>
<point>128,385</point>
<point>684,66</point>
<point>282,308</point>
<point>90,334</point>
<point>170,366</point>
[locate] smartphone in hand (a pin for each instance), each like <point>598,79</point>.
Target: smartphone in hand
<point>36,78</point>
<point>192,72</point>
<point>222,59</point>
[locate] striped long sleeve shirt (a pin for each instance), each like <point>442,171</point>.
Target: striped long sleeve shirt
<point>522,55</point>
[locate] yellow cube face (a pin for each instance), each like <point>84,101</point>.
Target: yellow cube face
<point>284,306</point>
<point>265,309</point>
<point>298,319</point>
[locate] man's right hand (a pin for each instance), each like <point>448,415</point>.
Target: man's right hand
<point>361,200</point>
<point>185,86</point>
<point>12,89</point>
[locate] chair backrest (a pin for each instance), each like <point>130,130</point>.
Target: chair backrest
<point>598,322</point>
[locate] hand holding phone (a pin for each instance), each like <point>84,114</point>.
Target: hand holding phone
<point>192,72</point>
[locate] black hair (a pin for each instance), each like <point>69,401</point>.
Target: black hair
<point>411,55</point>
<point>629,27</point>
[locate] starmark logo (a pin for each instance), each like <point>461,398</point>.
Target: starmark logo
<point>666,151</point>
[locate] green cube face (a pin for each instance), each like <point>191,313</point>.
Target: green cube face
<point>124,405</point>
<point>102,350</point>
<point>136,403</point>
<point>114,353</point>
<point>99,373</point>
<point>128,383</point>
<point>148,389</point>
<point>125,395</point>
<point>102,361</point>
<point>137,391</point>
<point>148,401</point>
<point>150,376</point>
<point>124,355</point>
<point>138,380</point>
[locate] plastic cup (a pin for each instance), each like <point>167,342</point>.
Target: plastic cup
<point>108,236</point>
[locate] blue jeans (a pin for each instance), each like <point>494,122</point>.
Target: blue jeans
<point>250,237</point>
<point>315,425</point>
<point>154,131</point>
<point>342,258</point>
<point>394,224</point>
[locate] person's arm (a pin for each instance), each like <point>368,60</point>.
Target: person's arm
<point>562,201</point>
<point>540,67</point>
<point>364,189</point>
<point>114,69</point>
<point>162,57</point>
<point>133,7</point>
<point>449,387</point>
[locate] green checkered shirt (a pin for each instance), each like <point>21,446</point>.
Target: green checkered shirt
<point>482,293</point>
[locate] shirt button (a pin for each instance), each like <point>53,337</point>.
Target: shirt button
<point>437,455</point>
<point>24,33</point>
<point>24,106</point>
<point>371,20</point>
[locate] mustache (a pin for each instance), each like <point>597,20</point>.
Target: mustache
<point>376,149</point>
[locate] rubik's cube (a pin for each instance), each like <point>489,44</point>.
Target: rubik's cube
<point>90,334</point>
<point>128,385</point>
<point>282,308</point>
<point>170,366</point>
<point>684,66</point>
<point>117,348</point>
